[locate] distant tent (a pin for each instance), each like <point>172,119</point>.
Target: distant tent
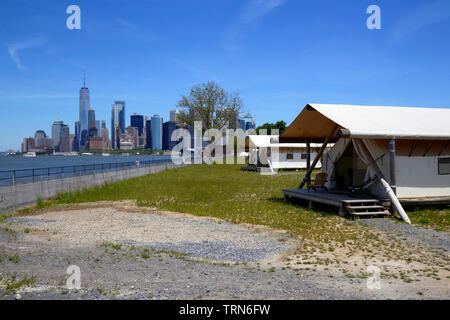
<point>267,151</point>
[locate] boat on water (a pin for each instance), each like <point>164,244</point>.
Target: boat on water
<point>106,154</point>
<point>87,154</point>
<point>65,154</point>
<point>30,154</point>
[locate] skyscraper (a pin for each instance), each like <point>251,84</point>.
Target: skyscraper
<point>93,142</point>
<point>132,134</point>
<point>60,136</point>
<point>137,121</point>
<point>117,122</point>
<point>250,125</point>
<point>148,134</point>
<point>57,127</point>
<point>65,139</point>
<point>106,143</point>
<point>83,114</point>
<point>91,118</point>
<point>76,141</point>
<point>100,124</point>
<point>179,113</point>
<point>173,114</point>
<point>28,144</point>
<point>157,122</point>
<point>168,128</point>
<point>241,124</point>
<point>71,141</point>
<point>121,104</point>
<point>39,138</point>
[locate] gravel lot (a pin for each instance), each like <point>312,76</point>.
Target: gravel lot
<point>124,274</point>
<point>429,237</point>
<point>126,252</point>
<point>203,238</point>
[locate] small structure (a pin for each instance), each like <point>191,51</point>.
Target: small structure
<point>382,156</point>
<point>266,151</point>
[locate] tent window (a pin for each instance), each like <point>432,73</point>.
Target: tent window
<point>304,156</point>
<point>444,165</point>
<point>289,156</point>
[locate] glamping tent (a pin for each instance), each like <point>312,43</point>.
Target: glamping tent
<point>266,151</point>
<point>396,153</point>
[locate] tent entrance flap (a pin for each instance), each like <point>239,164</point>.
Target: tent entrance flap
<point>350,170</point>
<point>318,156</point>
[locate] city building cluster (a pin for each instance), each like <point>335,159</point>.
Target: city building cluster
<point>93,135</point>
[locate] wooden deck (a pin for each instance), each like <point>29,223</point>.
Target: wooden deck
<point>251,168</point>
<point>424,201</point>
<point>346,202</point>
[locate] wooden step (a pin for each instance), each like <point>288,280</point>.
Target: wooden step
<point>362,201</point>
<point>370,213</point>
<point>366,207</point>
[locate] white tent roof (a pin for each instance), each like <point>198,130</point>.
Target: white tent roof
<point>317,120</point>
<point>262,141</point>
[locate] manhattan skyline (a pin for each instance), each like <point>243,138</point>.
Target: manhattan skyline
<point>279,55</point>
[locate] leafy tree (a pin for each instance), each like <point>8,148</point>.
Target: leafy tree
<point>280,125</point>
<point>212,105</point>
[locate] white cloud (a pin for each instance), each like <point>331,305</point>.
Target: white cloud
<point>431,13</point>
<point>195,72</point>
<point>249,18</point>
<point>14,48</point>
<point>125,24</point>
<point>255,10</point>
<point>191,69</point>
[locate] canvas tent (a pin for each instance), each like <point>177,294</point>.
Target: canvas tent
<point>409,148</point>
<point>266,150</point>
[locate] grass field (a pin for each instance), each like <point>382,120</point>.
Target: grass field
<point>226,192</point>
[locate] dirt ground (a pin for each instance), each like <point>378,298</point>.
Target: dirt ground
<point>126,252</point>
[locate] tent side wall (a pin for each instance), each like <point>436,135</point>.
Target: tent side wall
<point>419,177</point>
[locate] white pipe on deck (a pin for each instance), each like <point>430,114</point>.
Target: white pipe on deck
<point>394,200</point>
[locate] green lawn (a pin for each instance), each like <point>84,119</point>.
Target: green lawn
<point>436,217</point>
<point>222,191</point>
<point>226,192</point>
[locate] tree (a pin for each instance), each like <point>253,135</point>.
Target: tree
<point>212,105</point>
<point>280,125</point>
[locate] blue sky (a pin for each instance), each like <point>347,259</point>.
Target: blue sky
<point>278,54</point>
